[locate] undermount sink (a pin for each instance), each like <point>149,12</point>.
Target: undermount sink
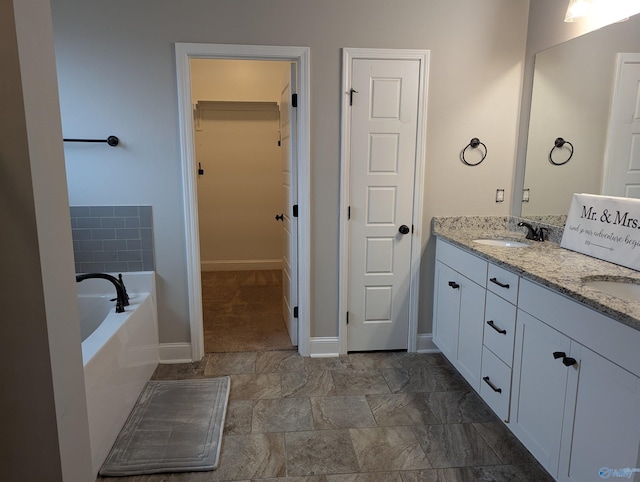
<point>505,243</point>
<point>628,289</point>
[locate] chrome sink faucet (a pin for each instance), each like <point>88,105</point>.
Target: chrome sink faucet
<point>535,234</point>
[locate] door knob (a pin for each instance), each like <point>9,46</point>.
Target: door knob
<point>279,217</point>
<point>404,229</point>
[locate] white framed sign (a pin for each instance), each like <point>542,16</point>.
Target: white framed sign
<point>604,227</point>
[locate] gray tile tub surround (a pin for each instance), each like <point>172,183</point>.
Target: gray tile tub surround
<point>112,238</point>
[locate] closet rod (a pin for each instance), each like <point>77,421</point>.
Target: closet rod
<point>111,140</point>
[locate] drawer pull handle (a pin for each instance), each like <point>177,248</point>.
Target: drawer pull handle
<point>499,330</point>
<point>501,285</point>
<point>566,360</point>
<point>454,285</point>
<point>487,380</point>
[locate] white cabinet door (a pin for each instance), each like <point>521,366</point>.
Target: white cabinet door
<point>603,433</point>
<point>446,310</point>
<point>458,321</point>
<point>539,385</point>
<point>469,356</point>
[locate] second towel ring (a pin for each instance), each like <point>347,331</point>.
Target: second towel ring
<point>473,143</point>
<point>560,143</point>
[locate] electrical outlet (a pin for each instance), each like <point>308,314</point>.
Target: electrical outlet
<point>499,195</point>
<point>525,195</point>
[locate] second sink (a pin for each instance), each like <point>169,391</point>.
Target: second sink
<point>624,289</point>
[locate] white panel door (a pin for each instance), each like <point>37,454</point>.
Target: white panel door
<point>289,199</point>
<point>622,170</point>
<point>383,157</point>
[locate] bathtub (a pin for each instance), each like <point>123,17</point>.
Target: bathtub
<point>119,352</point>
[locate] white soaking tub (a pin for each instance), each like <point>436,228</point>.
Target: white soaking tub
<point>119,351</point>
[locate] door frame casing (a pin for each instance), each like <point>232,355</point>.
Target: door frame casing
<point>300,55</point>
<point>348,55</point>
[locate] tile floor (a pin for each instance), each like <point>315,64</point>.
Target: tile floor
<point>242,311</point>
<point>370,417</point>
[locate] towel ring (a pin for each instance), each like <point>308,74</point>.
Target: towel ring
<point>560,143</point>
<point>473,143</point>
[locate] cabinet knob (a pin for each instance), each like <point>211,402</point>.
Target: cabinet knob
<point>454,285</point>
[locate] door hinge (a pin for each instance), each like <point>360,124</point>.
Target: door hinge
<point>295,210</point>
<point>412,228</point>
<point>294,100</point>
<point>295,311</point>
<point>347,317</point>
<point>348,213</point>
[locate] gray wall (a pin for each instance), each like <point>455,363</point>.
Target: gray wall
<point>117,76</point>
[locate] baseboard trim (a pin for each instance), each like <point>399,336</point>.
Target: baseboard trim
<point>425,344</point>
<point>329,346</point>
<point>175,353</point>
<point>241,265</point>
<point>320,347</point>
<point>324,346</point>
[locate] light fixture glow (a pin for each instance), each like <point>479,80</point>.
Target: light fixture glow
<point>601,12</point>
<point>578,10</point>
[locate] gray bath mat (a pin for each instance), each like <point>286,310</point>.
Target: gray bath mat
<point>175,426</point>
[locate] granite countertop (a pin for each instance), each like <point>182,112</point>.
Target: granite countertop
<point>545,262</point>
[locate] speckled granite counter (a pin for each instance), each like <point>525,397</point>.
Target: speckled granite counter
<point>546,263</point>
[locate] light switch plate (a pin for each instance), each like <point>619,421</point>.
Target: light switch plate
<point>499,195</point>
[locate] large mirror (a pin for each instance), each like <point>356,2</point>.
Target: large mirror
<point>572,95</point>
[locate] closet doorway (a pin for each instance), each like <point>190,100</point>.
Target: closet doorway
<point>185,52</point>
<point>242,137</point>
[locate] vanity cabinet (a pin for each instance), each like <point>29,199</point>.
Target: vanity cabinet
<point>459,296</point>
<point>563,377</point>
<point>576,399</point>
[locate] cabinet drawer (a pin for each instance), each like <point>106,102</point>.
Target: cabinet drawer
<point>463,262</point>
<point>503,283</point>
<point>500,327</point>
<point>495,386</point>
<point>600,333</point>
